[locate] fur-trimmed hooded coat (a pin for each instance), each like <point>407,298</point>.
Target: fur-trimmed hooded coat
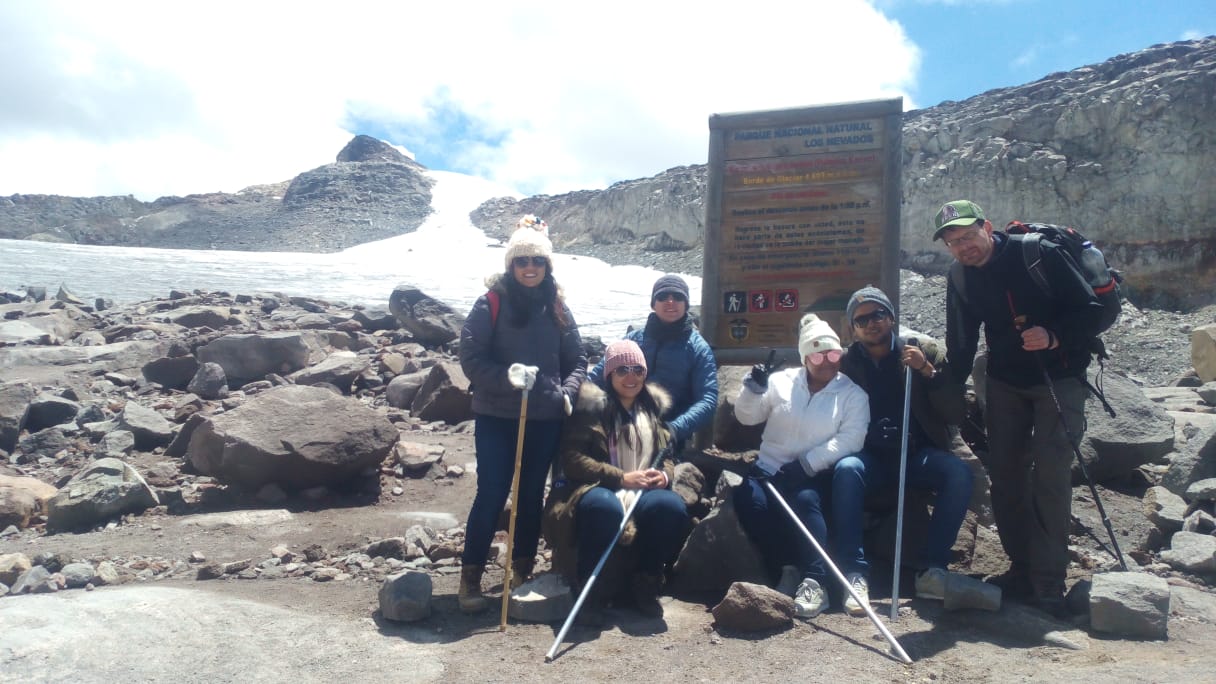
<point>584,457</point>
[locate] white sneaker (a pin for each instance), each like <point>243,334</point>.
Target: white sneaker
<point>862,588</point>
<point>810,599</point>
<point>931,584</point>
<point>790,577</point>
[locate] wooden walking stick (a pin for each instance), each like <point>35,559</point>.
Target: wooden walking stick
<point>519,457</point>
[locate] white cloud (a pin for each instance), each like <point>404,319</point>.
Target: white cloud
<point>154,98</point>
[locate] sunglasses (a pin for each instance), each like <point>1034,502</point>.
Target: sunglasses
<point>522,262</point>
<point>872,317</point>
<point>832,357</point>
<point>622,371</point>
<point>670,297</point>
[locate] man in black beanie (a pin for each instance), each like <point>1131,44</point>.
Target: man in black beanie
<point>678,359</point>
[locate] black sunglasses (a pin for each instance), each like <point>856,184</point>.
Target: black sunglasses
<point>669,297</point>
<point>622,371</point>
<point>522,262</point>
<point>873,316</point>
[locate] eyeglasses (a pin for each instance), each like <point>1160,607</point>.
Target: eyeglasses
<point>522,262</point>
<point>622,371</point>
<point>832,357</point>
<point>972,235</point>
<point>872,317</point>
<point>670,297</point>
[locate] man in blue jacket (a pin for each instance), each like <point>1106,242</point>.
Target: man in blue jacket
<point>678,359</point>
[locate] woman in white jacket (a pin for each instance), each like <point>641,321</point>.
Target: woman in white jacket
<point>816,416</point>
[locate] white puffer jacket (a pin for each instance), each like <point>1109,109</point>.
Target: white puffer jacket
<point>818,429</point>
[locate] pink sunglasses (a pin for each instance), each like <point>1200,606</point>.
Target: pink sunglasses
<point>832,357</point>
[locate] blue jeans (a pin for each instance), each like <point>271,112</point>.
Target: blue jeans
<point>495,440</point>
<point>867,475</point>
<point>660,517</point>
<point>769,526</point>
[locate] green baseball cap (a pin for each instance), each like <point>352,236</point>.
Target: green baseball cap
<point>956,213</point>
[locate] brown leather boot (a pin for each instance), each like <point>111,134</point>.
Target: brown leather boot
<point>470,598</point>
<point>521,571</point>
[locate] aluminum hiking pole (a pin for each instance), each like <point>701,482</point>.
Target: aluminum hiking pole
<point>895,647</point>
<point>903,474</point>
<point>582,596</point>
<point>519,457</point>
<point>1076,450</point>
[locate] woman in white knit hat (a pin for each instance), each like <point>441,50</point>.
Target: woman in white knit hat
<point>607,453</point>
<point>815,416</point>
<point>519,335</point>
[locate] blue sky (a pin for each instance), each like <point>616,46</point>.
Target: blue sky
<point>544,96</point>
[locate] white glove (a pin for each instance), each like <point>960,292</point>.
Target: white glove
<point>522,377</point>
<point>569,406</point>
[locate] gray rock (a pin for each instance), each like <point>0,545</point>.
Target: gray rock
<point>1142,432</point>
<point>431,322</point>
<point>106,488</point>
<point>107,573</point>
<point>545,598</point>
<point>749,607</point>
<point>209,382</point>
<point>181,441</point>
<point>214,317</point>
<point>1131,604</point>
<point>297,437</point>
<point>340,370</point>
<point>1191,552</point>
<point>444,396</point>
<point>46,442</point>
<point>37,580</point>
<point>1207,392</point>
<point>76,575</point>
<point>717,554</point>
<point>1193,603</point>
<point>393,547</point>
<point>12,565</point>
<point>250,357</point>
<point>151,430</point>
<point>1199,521</point>
<point>171,373</point>
<point>402,389</point>
<point>47,409</point>
<point>1202,490</point>
<point>689,482</point>
<point>15,400</point>
<point>417,459</point>
<point>406,597</point>
<point>117,443</point>
<point>1164,509</point>
<point>963,592</point>
<point>1193,459</point>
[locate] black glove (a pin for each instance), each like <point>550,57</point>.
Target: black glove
<point>757,380</point>
<point>791,476</point>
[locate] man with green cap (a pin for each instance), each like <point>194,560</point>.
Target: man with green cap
<point>1037,346</point>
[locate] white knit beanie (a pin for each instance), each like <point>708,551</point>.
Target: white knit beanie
<point>528,242</point>
<point>815,335</point>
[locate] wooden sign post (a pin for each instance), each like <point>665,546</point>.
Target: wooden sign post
<point>802,209</point>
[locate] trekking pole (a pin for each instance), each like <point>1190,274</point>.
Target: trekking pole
<point>1076,449</point>
<point>903,474</point>
<point>519,457</point>
<point>899,650</point>
<point>582,596</point>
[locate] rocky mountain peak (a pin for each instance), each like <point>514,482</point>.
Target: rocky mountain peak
<point>364,148</point>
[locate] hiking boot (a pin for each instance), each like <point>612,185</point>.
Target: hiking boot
<point>862,588</point>
<point>931,584</point>
<point>521,571</point>
<point>809,599</point>
<point>790,577</point>
<point>470,598</point>
<point>645,590</point>
<point>1014,584</point>
<point>1049,598</point>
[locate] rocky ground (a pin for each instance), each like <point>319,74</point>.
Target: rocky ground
<point>290,578</point>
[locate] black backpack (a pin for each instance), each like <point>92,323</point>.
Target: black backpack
<point>1090,262</point>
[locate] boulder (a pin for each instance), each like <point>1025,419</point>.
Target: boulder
<point>431,322</point>
<point>15,400</point>
<point>209,382</point>
<point>545,598</point>
<point>12,565</point>
<point>751,607</point>
<point>1164,509</point>
<point>21,498</point>
<point>77,575</point>
<point>1203,352</point>
<point>105,489</point>
<point>151,430</point>
<point>402,389</point>
<point>729,433</point>
<point>1201,490</point>
<point>214,317</point>
<point>172,373</point>
<point>295,436</point>
<point>340,370</point>
<point>1194,457</point>
<point>406,597</point>
<point>417,459</point>
<point>249,357</point>
<point>1207,392</point>
<point>444,396</point>
<point>1191,552</point>
<point>689,482</point>
<point>47,410</point>
<point>1129,604</point>
<point>1141,432</point>
<point>717,554</point>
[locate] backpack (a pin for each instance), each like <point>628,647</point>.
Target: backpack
<point>495,303</point>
